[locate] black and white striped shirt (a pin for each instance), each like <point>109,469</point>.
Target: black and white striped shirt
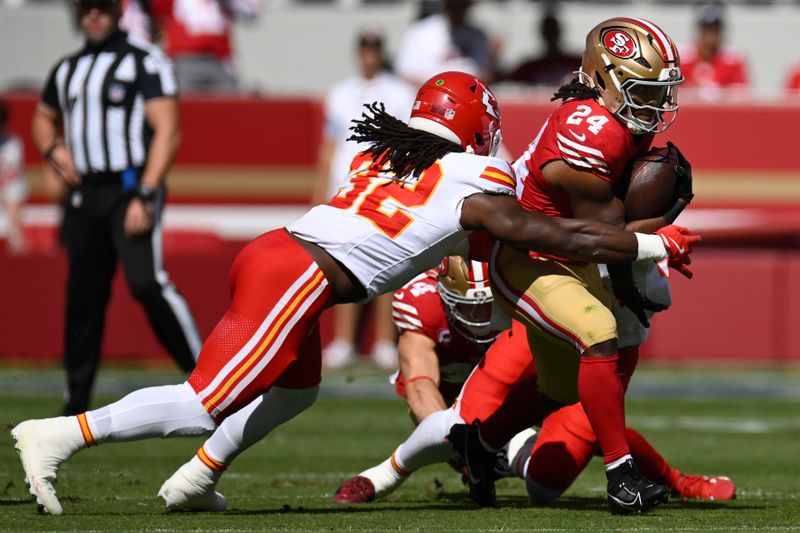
<point>101,93</point>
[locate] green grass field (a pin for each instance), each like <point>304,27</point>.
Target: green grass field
<point>285,482</point>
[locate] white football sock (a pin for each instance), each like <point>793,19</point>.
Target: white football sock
<point>168,411</point>
<point>385,477</point>
<point>427,444</point>
<point>612,465</point>
<point>254,421</point>
<point>519,451</point>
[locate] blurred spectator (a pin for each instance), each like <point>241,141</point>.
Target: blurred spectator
<point>345,102</point>
<point>137,19</point>
<point>793,81</point>
<point>709,65</point>
<point>13,187</point>
<point>554,66</point>
<point>445,41</point>
<point>197,36</point>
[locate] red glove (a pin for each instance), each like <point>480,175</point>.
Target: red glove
<point>678,241</point>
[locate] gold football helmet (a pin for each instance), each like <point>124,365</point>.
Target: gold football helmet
<point>635,67</point>
<point>464,288</point>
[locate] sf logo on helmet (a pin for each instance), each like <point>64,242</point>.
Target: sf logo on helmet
<point>619,43</point>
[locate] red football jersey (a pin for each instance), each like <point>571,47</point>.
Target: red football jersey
<point>586,136</point>
<point>418,308</point>
<point>194,27</point>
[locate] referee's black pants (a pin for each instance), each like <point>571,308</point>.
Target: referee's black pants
<point>94,236</point>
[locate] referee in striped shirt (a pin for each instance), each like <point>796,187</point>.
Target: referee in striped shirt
<point>107,124</point>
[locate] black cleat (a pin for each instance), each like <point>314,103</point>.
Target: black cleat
<point>629,492</point>
<point>480,463</point>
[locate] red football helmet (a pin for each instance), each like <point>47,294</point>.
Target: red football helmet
<point>464,288</point>
<point>459,107</point>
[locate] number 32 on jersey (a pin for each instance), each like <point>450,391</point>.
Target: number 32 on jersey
<point>382,201</point>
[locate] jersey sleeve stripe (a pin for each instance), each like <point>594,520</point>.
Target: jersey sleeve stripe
<point>497,181</point>
<point>591,160</point>
<point>498,176</point>
<point>583,164</point>
<point>406,326</point>
<point>579,160</point>
<point>405,307</point>
<point>579,147</point>
<point>398,317</point>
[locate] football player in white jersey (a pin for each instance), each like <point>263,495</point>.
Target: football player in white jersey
<point>416,192</point>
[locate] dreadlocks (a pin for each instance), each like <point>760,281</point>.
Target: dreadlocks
<point>406,150</point>
<point>577,90</point>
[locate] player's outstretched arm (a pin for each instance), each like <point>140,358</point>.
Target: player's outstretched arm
<point>419,366</point>
<point>582,240</point>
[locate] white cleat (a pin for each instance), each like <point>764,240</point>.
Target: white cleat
<point>191,488</point>
<point>42,446</point>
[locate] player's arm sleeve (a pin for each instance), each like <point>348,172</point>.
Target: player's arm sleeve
<point>602,153</point>
<point>497,178</point>
<point>410,314</point>
<point>50,91</point>
<point>157,77</point>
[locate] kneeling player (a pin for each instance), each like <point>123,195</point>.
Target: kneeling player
<point>445,329</point>
<point>502,392</point>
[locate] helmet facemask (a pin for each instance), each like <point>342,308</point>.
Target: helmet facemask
<point>464,290</point>
<point>470,314</point>
<point>650,106</point>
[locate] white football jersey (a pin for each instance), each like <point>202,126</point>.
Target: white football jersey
<point>386,231</point>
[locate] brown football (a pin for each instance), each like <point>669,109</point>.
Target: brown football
<point>651,191</point>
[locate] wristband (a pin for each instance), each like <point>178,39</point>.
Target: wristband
<point>418,378</point>
<point>651,248</point>
<point>145,194</point>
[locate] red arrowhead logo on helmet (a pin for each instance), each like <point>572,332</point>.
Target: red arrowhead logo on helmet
<point>460,108</point>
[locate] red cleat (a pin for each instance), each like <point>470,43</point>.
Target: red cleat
<point>705,488</point>
<point>357,489</point>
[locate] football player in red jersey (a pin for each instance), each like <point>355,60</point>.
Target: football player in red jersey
<point>420,189</point>
<point>626,92</point>
<point>501,393</point>
<point>445,328</point>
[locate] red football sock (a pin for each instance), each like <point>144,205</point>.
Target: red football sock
<point>651,464</point>
<point>628,358</point>
<point>600,392</point>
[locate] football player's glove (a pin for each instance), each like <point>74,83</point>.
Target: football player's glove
<point>678,242</point>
